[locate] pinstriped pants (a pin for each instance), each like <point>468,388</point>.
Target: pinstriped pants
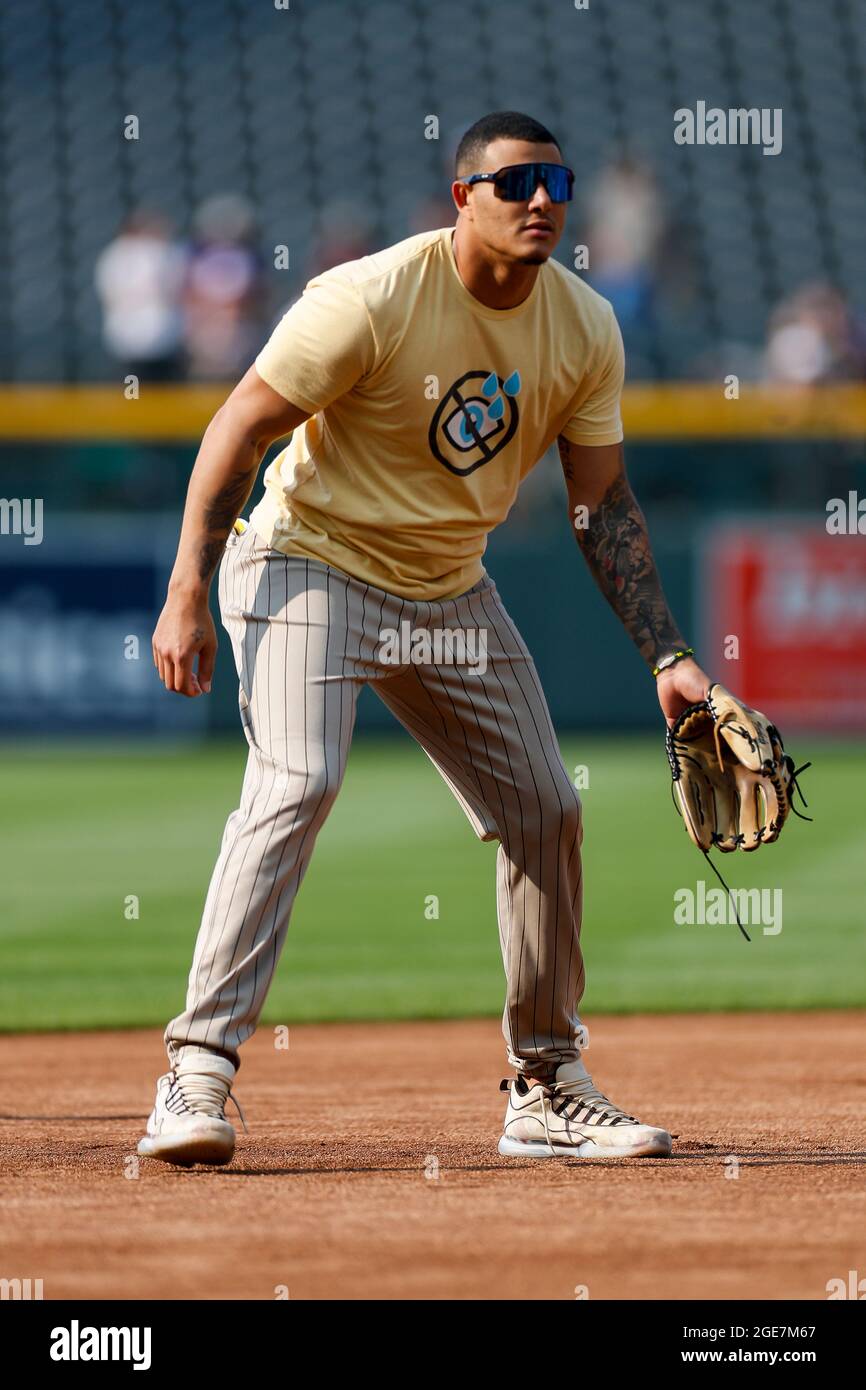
<point>305,638</point>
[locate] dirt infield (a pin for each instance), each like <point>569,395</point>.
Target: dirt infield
<point>371,1170</point>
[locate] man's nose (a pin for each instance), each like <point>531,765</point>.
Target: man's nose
<point>540,198</point>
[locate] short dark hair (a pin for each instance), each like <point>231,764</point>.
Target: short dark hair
<point>499,125</point>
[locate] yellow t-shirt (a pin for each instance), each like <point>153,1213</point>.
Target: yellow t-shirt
<point>427,410</point>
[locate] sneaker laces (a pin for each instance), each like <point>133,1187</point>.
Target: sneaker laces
<point>582,1102</point>
<point>206,1095</point>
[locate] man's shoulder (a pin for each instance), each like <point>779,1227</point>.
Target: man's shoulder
<point>402,259</point>
<point>576,296</point>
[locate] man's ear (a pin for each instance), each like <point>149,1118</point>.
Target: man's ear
<point>460,194</point>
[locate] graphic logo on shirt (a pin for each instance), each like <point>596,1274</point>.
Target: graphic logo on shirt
<point>474,420</point>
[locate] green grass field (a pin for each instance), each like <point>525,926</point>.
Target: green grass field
<point>84,827</point>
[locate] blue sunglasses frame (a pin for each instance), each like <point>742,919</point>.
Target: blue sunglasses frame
<point>516,183</point>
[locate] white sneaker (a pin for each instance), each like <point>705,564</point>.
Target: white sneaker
<point>571,1118</point>
<point>188,1124</point>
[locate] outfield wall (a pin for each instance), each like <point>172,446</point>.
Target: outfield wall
<point>111,475</point>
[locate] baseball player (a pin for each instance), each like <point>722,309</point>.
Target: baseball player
<point>418,386</point>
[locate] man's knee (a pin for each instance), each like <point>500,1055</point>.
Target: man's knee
<point>558,815</point>
<point>549,816</point>
<point>307,791</point>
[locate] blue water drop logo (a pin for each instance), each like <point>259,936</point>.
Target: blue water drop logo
<point>512,385</point>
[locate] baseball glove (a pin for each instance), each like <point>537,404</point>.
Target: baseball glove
<point>733,781</point>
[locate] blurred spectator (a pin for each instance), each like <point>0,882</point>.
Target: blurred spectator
<point>435,208</point>
<point>346,234</point>
<point>624,228</point>
<point>139,278</point>
<point>225,306</point>
<point>814,336</point>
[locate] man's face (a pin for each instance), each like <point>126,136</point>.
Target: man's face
<point>524,232</point>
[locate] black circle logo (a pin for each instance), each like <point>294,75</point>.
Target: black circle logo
<point>474,421</point>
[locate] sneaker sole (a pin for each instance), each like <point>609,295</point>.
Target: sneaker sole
<point>526,1148</point>
<point>185,1150</point>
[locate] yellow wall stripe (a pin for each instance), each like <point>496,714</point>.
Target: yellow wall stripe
<point>40,414</point>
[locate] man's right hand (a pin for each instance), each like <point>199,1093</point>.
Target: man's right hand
<point>185,630</point>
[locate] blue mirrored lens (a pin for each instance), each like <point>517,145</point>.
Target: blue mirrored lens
<point>519,183</point>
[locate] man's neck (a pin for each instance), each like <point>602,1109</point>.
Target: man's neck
<point>495,283</point>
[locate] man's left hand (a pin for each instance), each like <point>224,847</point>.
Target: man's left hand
<point>681,685</point>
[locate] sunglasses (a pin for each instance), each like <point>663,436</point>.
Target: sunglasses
<point>516,183</point>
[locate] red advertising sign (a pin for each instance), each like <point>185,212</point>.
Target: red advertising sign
<point>785,620</point>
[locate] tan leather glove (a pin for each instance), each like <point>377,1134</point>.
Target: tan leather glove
<point>733,781</point>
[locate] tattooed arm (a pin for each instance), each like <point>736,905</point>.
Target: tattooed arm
<point>612,534</point>
<point>222,479</point>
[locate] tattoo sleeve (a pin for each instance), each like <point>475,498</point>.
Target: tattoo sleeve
<point>617,549</point>
<point>220,515</point>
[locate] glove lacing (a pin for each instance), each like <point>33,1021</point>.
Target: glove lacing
<point>793,774</point>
